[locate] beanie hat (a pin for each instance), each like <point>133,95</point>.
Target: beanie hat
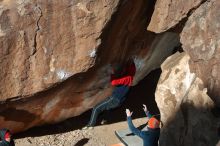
<point>153,123</point>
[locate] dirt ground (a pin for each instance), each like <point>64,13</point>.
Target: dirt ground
<point>102,135</point>
<point>69,133</point>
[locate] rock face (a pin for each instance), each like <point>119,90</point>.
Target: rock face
<point>48,41</point>
<point>189,84</point>
<point>184,105</point>
<point>161,47</point>
<point>168,13</point>
<point>55,55</point>
<point>200,39</point>
<point>55,60</point>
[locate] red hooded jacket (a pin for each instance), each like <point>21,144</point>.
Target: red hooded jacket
<point>127,78</point>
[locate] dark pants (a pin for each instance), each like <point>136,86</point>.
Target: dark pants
<point>118,96</point>
<point>107,104</point>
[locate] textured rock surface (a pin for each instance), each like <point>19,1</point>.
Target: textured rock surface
<point>168,13</point>
<point>161,47</point>
<point>184,105</point>
<point>45,42</point>
<point>55,55</point>
<point>42,44</point>
<point>200,39</point>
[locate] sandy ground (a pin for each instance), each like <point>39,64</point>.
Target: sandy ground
<point>69,133</point>
<point>102,135</point>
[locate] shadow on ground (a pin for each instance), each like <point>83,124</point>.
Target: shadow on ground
<point>143,93</point>
<point>82,142</point>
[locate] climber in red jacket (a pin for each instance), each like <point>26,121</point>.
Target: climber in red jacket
<point>6,138</point>
<point>120,78</point>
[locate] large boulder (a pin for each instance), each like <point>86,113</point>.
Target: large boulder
<point>184,106</point>
<point>45,42</point>
<point>200,38</point>
<point>55,55</point>
<point>168,13</point>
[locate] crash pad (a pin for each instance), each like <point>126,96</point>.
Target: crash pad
<point>128,138</point>
<point>118,144</point>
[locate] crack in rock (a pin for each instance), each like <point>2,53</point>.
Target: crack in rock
<point>33,51</point>
<point>36,31</point>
